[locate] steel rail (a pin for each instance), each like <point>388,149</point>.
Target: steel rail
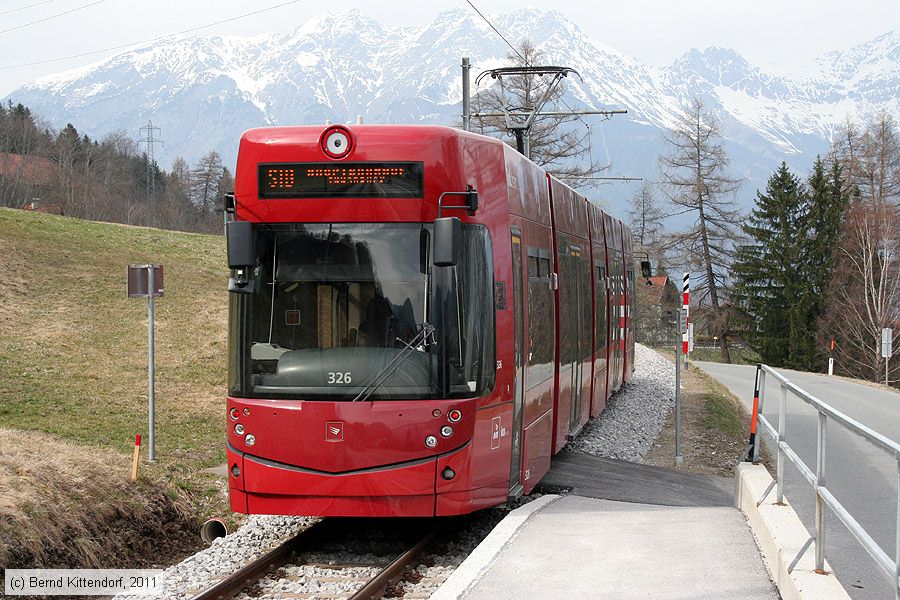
<point>231,585</point>
<point>392,573</point>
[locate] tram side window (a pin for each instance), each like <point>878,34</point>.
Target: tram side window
<point>540,318</point>
<point>568,304</point>
<point>600,322</point>
<point>584,275</point>
<point>477,326</point>
<point>629,281</point>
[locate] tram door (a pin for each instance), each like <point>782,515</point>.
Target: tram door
<point>577,300</point>
<point>519,348</point>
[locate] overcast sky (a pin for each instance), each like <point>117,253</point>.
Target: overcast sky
<point>776,31</point>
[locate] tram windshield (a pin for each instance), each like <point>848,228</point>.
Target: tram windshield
<point>349,311</point>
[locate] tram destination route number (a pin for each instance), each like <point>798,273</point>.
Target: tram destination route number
<point>345,180</point>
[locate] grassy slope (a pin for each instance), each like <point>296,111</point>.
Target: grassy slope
<point>73,347</point>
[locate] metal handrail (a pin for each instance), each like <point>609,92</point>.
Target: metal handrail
<point>816,478</point>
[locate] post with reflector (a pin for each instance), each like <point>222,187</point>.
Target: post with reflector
<point>831,358</point>
<point>134,458</point>
<point>686,307</point>
<point>887,348</point>
<point>753,451</point>
<point>680,323</point>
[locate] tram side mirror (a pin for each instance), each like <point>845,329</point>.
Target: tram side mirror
<point>447,241</point>
<point>646,269</point>
<point>239,239</point>
<point>229,205</point>
<point>241,255</point>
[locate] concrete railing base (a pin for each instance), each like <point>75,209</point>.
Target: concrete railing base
<point>780,535</point>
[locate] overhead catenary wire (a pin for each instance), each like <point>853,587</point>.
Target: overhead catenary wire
<point>12,10</point>
<point>497,31</point>
<point>147,41</point>
<point>35,22</point>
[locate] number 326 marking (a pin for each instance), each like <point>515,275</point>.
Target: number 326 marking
<point>334,378</point>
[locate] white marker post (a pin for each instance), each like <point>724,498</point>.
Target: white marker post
<point>831,358</point>
<point>686,307</point>
<point>887,348</point>
<point>146,281</point>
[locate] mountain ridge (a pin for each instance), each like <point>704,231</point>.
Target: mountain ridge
<point>205,91</point>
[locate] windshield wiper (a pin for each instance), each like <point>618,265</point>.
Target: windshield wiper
<point>423,339</point>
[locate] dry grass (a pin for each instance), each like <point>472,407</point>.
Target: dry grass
<point>73,354</point>
<point>714,428</point>
<point>64,505</point>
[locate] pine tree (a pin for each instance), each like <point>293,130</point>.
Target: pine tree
<point>766,272</point>
<point>828,201</point>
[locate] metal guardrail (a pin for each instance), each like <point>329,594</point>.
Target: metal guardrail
<point>824,497</point>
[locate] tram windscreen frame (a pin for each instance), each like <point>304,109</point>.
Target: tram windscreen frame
<point>349,300</point>
<point>341,180</point>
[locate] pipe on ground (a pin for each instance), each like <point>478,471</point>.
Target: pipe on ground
<point>212,530</point>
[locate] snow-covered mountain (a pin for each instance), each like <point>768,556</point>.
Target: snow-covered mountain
<point>205,91</point>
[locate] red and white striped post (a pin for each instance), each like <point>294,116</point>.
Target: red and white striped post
<point>686,305</point>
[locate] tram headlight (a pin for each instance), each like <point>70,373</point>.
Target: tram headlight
<point>446,431</point>
<point>250,439</point>
<point>239,429</point>
<point>431,441</point>
<point>234,414</point>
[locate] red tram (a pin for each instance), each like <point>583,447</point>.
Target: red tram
<point>420,318</point>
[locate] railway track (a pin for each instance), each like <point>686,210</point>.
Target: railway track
<point>346,580</point>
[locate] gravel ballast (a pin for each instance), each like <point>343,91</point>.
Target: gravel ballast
<point>226,555</point>
<point>626,430</point>
<point>635,414</point>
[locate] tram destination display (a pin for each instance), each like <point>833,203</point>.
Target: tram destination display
<point>344,180</point>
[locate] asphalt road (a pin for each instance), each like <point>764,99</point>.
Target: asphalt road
<point>862,477</point>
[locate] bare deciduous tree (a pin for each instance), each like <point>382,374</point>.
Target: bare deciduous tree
<point>864,295</point>
<point>68,159</point>
<point>205,181</point>
<point>695,180</point>
<point>645,219</point>
<point>869,298</point>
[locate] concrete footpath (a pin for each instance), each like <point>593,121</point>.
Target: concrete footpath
<point>620,531</point>
<point>577,547</point>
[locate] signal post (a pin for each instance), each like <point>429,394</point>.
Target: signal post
<point>146,281</point>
